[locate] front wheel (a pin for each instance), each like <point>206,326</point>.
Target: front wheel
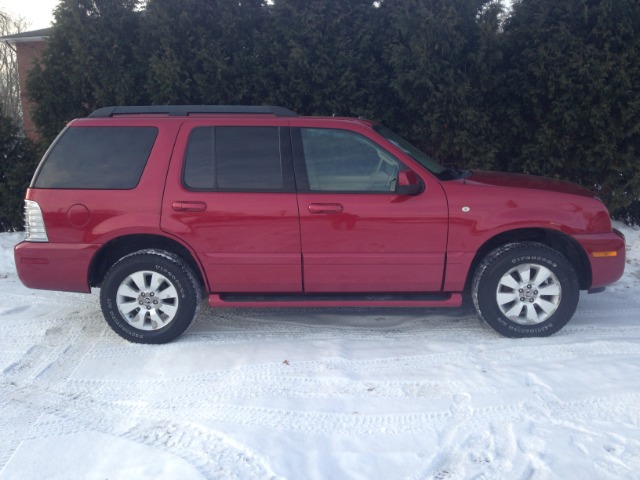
<point>150,296</point>
<point>525,290</point>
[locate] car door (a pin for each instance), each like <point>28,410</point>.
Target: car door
<point>230,196</point>
<point>357,234</point>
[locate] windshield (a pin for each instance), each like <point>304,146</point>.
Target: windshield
<point>420,157</point>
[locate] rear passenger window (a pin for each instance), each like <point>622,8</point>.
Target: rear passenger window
<point>110,158</point>
<point>234,158</point>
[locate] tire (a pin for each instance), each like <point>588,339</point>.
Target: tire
<point>525,290</point>
<point>150,296</point>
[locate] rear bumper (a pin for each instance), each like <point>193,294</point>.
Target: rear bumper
<point>55,266</point>
<point>607,257</point>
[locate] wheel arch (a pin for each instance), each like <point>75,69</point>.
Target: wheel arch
<point>117,248</point>
<point>559,241</point>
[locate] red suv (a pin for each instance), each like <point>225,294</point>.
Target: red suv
<point>257,207</point>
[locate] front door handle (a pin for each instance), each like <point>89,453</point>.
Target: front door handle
<point>325,208</point>
<point>189,206</point>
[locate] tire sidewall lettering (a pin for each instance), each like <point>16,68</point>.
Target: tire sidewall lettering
<point>175,271</point>
<point>176,283</point>
<point>523,329</point>
<point>116,317</point>
<point>505,258</point>
<point>533,258</point>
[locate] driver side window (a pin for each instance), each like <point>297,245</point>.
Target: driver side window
<point>344,161</point>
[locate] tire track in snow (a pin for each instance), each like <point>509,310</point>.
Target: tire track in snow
<point>29,389</point>
<point>204,339</point>
<point>487,437</point>
<point>212,410</point>
<point>213,454</point>
<point>48,362</point>
<point>41,398</point>
<point>230,385</point>
<point>607,312</point>
<point>83,412</point>
<point>334,377</point>
<point>94,412</point>
<point>69,300</point>
<point>401,364</point>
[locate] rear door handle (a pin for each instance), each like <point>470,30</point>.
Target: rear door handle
<point>189,206</point>
<point>325,208</point>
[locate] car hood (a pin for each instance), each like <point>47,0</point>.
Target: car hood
<point>517,180</point>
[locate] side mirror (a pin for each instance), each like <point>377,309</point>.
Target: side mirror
<point>409,183</point>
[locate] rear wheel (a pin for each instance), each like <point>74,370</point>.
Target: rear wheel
<point>150,296</point>
<point>525,290</point>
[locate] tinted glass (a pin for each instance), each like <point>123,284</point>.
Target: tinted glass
<point>97,158</point>
<point>199,170</point>
<point>234,158</point>
<point>339,160</point>
<point>248,158</point>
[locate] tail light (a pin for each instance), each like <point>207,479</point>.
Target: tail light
<point>34,223</point>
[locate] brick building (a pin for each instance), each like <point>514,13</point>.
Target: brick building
<point>28,47</point>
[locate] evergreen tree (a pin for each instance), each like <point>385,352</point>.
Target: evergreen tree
<point>90,61</point>
<point>554,91</point>
<point>323,57</point>
<point>17,163</point>
<point>572,94</point>
<point>442,67</point>
<point>203,52</point>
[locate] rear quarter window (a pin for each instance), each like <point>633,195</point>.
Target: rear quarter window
<point>109,158</point>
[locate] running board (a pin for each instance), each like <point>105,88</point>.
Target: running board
<point>335,300</point>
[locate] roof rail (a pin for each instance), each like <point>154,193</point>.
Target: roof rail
<point>186,110</point>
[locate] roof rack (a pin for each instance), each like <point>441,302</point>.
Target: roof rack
<point>186,110</point>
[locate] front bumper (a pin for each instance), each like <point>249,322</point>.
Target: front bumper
<point>607,256</point>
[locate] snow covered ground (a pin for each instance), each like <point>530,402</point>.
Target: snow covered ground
<point>318,394</point>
